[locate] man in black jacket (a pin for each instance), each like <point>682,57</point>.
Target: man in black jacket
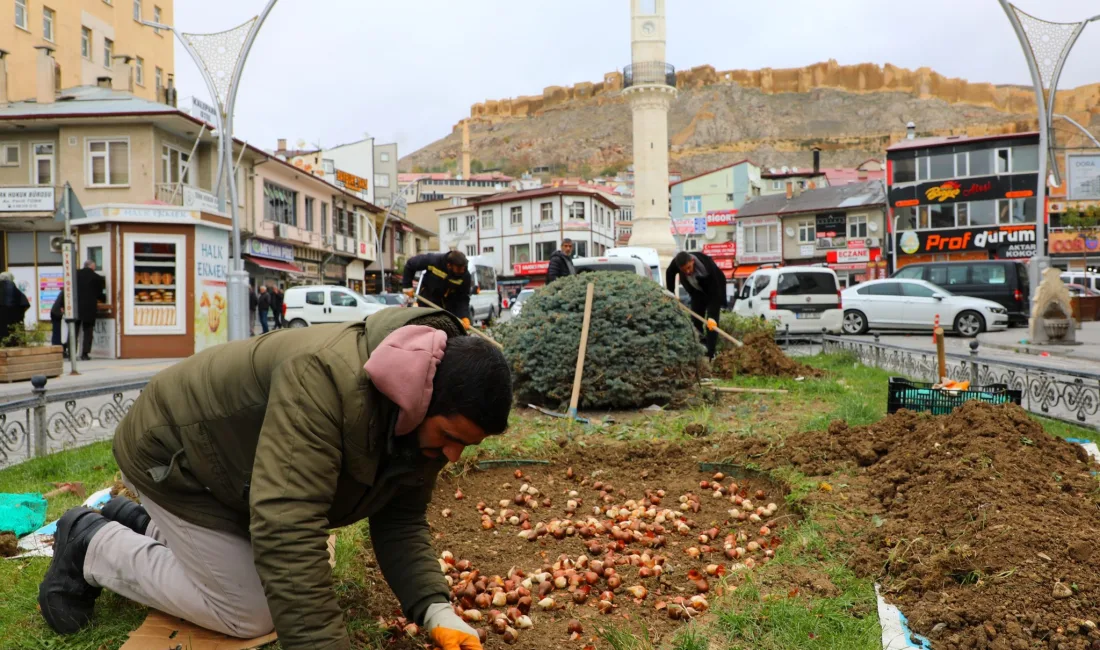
<point>89,291</point>
<point>253,302</point>
<point>561,262</point>
<point>446,281</point>
<point>13,305</point>
<point>706,284</point>
<point>263,302</point>
<point>277,306</point>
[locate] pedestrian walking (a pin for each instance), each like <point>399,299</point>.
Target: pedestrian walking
<point>253,303</point>
<point>247,454</point>
<point>13,306</point>
<point>277,306</point>
<point>706,284</point>
<point>561,262</point>
<point>89,291</point>
<point>57,313</point>
<point>263,302</point>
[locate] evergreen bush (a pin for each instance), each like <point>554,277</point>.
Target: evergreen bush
<point>642,349</point>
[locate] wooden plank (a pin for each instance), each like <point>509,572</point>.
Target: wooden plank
<point>28,352</point>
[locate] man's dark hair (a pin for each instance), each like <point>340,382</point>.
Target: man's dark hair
<point>473,380</point>
<point>566,241</point>
<point>457,258</point>
<point>681,259</point>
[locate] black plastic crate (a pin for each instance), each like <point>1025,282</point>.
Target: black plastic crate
<point>920,396</point>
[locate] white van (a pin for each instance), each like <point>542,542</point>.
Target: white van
<point>804,298</point>
<point>1089,280</point>
<point>648,256</point>
<point>615,264</point>
<point>312,305</point>
<point>484,301</point>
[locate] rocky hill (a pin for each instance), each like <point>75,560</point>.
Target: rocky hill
<point>772,116</point>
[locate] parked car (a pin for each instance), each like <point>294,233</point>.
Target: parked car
<point>517,304</point>
<point>1090,280</point>
<point>1002,281</point>
<point>805,299</point>
<point>393,299</point>
<point>647,255</point>
<point>311,305</point>
<point>484,305</point>
<point>621,264</point>
<point>1080,290</point>
<point>914,305</point>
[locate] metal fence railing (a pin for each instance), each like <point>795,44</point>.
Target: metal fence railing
<point>50,421</point>
<point>656,73</point>
<point>1069,395</point>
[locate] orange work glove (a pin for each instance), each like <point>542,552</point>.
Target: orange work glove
<point>448,631</point>
<point>466,323</point>
<point>711,324</point>
<point>410,292</point>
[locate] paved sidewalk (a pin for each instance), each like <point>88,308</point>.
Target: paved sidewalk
<point>1017,340</point>
<point>96,372</point>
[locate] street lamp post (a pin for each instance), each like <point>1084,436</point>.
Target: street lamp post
<point>220,58</point>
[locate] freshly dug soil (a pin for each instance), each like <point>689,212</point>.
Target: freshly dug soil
<point>119,488</point>
<point>9,545</point>
<point>981,527</point>
<point>760,357</point>
<point>626,480</point>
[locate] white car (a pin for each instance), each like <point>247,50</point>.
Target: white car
<point>517,304</point>
<point>914,305</point>
<point>799,299</point>
<point>312,305</point>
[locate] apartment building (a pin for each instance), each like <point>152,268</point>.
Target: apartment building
<point>704,207</point>
<point>385,174</point>
<point>86,39</point>
<point>432,187</point>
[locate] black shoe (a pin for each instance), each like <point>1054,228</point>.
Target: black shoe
<point>65,597</point>
<point>85,357</point>
<point>128,513</point>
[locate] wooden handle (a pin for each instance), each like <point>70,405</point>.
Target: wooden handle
<point>941,353</point>
<point>471,330</point>
<point>720,331</point>
<point>574,400</point>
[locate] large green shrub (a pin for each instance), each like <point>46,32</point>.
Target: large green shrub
<point>642,349</point>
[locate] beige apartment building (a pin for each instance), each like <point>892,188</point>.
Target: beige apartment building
<point>87,38</point>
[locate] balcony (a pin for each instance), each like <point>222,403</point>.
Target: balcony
<point>649,73</point>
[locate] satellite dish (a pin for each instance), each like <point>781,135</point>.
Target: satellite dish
<point>711,234</point>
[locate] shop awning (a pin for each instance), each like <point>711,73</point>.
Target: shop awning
<point>274,265</point>
<point>745,270</point>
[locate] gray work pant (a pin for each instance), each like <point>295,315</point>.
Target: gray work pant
<point>201,575</point>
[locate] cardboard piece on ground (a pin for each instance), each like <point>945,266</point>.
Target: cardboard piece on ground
<point>163,632</point>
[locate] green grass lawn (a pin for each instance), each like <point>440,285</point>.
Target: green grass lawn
<point>748,617</point>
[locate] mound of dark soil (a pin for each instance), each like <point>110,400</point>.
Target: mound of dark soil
<point>9,545</point>
<point>760,357</point>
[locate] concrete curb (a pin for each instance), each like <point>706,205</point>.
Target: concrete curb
<point>1073,351</point>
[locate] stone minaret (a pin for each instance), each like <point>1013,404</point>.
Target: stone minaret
<point>650,85</point>
<point>466,149</point>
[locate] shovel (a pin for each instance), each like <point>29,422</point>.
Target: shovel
<point>574,400</point>
<point>471,330</point>
<point>702,320</point>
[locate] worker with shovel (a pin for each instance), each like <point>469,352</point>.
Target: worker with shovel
<point>245,455</point>
<point>706,284</point>
<point>446,281</point>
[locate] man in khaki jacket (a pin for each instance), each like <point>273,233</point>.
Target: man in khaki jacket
<point>245,455</point>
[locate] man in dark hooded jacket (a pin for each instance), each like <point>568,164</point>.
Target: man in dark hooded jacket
<point>561,262</point>
<point>446,281</point>
<point>13,305</point>
<point>245,455</point>
<point>706,284</point>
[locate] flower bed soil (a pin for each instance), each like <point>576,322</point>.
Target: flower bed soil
<point>980,526</point>
<point>760,357</point>
<point>638,538</point>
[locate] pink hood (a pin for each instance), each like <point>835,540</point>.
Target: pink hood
<point>403,366</point>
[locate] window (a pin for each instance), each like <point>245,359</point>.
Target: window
<point>517,216</point>
<point>159,79</point>
<point>923,173</point>
<point>942,166</point>
<point>175,165</point>
<point>471,221</point>
<point>692,244</point>
<point>988,274</point>
<point>905,170</point>
<point>803,283</point>
<point>961,168</point>
<point>309,213</point>
<point>762,239</point>
<point>544,249</point>
<point>546,212</point>
<point>1011,211</point>
<point>906,218</point>
<point>137,9</point>
<point>108,163</point>
<point>381,180</point>
<point>981,162</point>
<point>47,23</point>
<point>156,262</point>
<point>86,43</point>
<point>576,211</point>
<point>280,204</point>
<point>471,250</point>
<point>21,14</point>
<point>942,216</point>
<point>982,213</point>
<point>519,253</point>
<point>384,157</point>
<point>9,155</point>
<point>914,290</point>
<point>911,273</point>
<point>947,275</point>
<point>139,71</point>
<point>581,248</point>
<point>43,163</point>
<point>648,7</point>
<point>487,219</point>
<point>693,204</point>
<point>488,249</point>
<point>807,232</point>
<point>324,221</point>
<point>1004,161</point>
<point>881,289</point>
<point>343,299</point>
<point>108,52</point>
<point>1025,159</point>
<point>962,214</point>
<point>315,297</point>
<point>156,18</point>
<point>857,227</point>
<point>452,224</point>
<point>777,185</point>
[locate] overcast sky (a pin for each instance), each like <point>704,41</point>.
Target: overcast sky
<point>329,71</point>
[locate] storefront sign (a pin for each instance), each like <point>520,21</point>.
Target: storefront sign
<point>725,249</point>
<point>271,250</point>
<point>830,225</point>
<point>1074,243</point>
<point>576,225</point>
<point>203,111</point>
<point>68,268</point>
<point>806,250</point>
<point>725,263</point>
<point>211,275</point>
<point>1083,176</point>
<point>984,188</point>
<point>51,282</point>
<point>135,212</point>
<point>850,256</point>
<point>309,269</point>
<point>103,338</point>
<point>721,217</point>
<point>335,271</point>
<point>351,182</point>
<point>1006,242</point>
<point>199,200</point>
<point>531,268</point>
<point>690,226</point>
<point>26,199</point>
